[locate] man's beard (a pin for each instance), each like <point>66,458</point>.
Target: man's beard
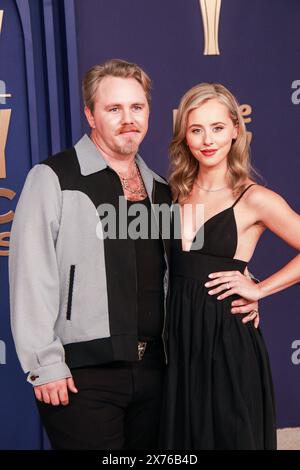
<point>127,149</point>
<point>131,146</point>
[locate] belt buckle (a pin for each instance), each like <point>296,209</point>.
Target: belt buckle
<point>141,349</point>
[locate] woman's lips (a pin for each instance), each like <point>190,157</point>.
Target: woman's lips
<point>208,153</point>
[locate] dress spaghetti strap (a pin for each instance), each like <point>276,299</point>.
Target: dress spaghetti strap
<point>241,195</point>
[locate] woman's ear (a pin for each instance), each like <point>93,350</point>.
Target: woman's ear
<point>235,132</point>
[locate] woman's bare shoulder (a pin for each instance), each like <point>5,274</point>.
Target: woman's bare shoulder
<point>261,196</point>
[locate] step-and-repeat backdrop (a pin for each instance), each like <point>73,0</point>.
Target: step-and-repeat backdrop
<point>251,47</point>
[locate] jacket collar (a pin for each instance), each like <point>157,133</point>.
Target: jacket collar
<point>89,158</point>
<point>91,161</point>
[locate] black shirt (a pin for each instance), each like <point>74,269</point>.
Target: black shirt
<point>150,268</point>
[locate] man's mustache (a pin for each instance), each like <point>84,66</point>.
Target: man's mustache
<point>128,129</point>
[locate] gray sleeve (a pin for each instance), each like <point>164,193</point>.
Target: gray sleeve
<point>34,278</point>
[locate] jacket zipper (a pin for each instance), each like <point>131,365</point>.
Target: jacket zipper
<point>70,295</point>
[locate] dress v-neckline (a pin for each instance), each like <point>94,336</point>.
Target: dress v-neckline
<point>213,217</point>
<point>202,227</point>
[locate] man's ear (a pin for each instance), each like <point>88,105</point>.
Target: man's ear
<point>90,117</point>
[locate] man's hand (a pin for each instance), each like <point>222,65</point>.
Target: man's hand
<point>244,306</point>
<point>55,393</point>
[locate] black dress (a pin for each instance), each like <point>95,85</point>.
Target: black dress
<point>218,392</point>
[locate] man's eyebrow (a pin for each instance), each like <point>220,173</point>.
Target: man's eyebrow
<point>112,105</point>
<point>115,105</point>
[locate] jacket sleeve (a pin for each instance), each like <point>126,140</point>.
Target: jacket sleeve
<point>34,278</point>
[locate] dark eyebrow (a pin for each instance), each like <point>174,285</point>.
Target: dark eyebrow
<point>213,124</point>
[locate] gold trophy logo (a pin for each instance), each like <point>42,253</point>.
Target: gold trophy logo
<point>210,10</point>
<point>5,115</point>
<point>1,18</point>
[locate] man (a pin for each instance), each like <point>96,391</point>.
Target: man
<point>88,312</point>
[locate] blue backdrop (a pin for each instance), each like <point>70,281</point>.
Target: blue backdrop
<point>46,47</point>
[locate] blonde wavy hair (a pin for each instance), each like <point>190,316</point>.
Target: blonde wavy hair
<point>183,165</point>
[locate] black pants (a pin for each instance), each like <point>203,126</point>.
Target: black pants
<point>117,407</point>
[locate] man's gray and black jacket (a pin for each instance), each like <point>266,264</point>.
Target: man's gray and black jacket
<point>73,294</point>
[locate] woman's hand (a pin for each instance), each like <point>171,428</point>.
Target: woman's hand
<point>233,282</point>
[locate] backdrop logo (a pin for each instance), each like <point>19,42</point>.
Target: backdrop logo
<point>210,10</point>
<point>4,118</point>
<point>296,354</point>
<point>246,111</point>
<point>2,353</point>
<point>5,115</point>
<point>296,94</point>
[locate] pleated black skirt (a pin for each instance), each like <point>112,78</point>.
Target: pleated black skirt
<point>218,392</point>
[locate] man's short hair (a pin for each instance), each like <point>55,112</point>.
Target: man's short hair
<point>113,68</point>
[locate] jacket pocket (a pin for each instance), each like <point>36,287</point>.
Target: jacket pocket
<point>70,295</point>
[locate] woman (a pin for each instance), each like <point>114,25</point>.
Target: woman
<point>219,392</point>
